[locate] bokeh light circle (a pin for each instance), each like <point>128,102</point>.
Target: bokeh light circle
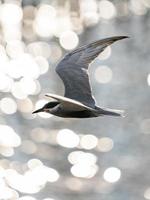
<point>34,163</point>
<point>44,24</point>
<point>28,85</point>
<point>42,63</point>
<point>25,105</point>
<point>8,105</point>
<point>69,40</point>
<point>17,91</point>
<point>112,174</point>
<point>82,157</point>
<point>103,74</point>
<point>15,48</point>
<point>88,141</point>
<point>11,14</point>
<point>67,138</point>
<point>107,9</point>
<point>105,144</point>
<point>6,82</point>
<point>84,171</point>
<point>8,137</point>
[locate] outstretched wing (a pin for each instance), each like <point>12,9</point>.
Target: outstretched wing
<point>69,104</point>
<point>73,70</point>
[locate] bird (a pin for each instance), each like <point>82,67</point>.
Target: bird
<point>78,101</point>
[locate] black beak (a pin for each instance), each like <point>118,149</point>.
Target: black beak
<point>37,111</point>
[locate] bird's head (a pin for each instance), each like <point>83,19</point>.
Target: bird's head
<point>47,107</point>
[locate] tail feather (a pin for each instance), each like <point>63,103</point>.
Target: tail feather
<point>112,112</point>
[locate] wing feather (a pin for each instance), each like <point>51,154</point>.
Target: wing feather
<point>73,70</point>
<point>69,104</point>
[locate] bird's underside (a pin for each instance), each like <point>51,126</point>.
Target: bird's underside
<point>78,101</point>
<point>69,108</point>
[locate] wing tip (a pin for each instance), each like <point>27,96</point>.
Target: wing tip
<point>49,95</point>
<point>108,41</point>
<point>124,37</point>
<point>116,38</point>
<point>113,39</point>
<point>46,95</point>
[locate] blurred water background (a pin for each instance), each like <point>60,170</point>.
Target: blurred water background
<point>43,157</point>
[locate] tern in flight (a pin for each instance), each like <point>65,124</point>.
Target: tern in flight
<point>78,101</point>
